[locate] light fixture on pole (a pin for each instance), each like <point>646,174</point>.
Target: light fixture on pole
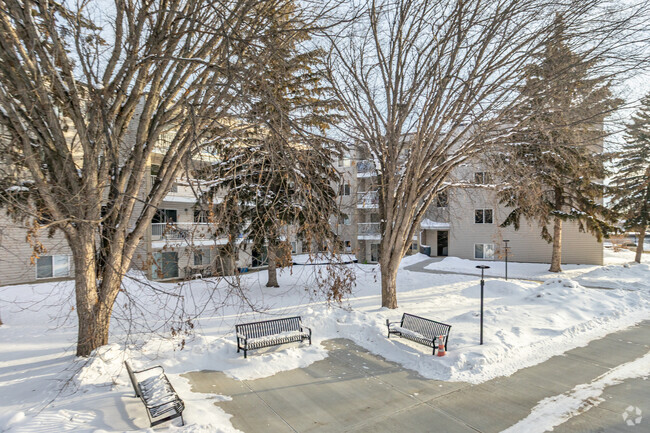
<point>505,241</point>
<point>482,268</point>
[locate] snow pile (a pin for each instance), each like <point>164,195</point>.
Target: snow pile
<point>630,276</point>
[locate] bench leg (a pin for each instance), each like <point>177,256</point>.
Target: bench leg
<point>245,353</point>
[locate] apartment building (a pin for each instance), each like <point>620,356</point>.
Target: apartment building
<point>462,222</point>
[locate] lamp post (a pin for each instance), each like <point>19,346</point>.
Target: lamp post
<point>482,268</point>
<point>505,241</point>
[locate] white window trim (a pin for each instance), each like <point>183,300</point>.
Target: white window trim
<point>484,177</point>
<point>484,244</point>
<point>483,209</point>
<point>67,256</point>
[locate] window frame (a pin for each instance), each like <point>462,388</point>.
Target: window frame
<point>200,216</point>
<point>442,200</point>
<point>346,189</point>
<point>483,215</point>
<point>481,178</point>
<point>483,251</point>
<point>52,266</point>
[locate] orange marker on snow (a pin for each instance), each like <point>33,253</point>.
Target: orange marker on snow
<point>441,346</point>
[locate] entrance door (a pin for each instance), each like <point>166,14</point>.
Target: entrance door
<point>260,256</point>
<point>443,243</point>
<point>374,252</point>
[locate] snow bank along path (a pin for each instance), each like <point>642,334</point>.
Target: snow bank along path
<point>553,411</point>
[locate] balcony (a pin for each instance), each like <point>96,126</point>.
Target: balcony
<point>366,168</point>
<point>368,200</point>
<point>189,232</point>
<point>368,231</point>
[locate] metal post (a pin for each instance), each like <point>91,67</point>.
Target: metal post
<point>482,268</point>
<point>506,242</point>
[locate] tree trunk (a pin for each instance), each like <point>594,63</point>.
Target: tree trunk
<point>388,282</point>
<point>92,332</point>
<point>639,244</point>
<point>95,298</point>
<point>556,257</point>
<point>272,268</point>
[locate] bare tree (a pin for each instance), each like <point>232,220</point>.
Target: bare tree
<point>428,84</point>
<point>85,95</point>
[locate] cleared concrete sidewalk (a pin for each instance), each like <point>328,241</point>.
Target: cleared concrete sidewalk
<point>353,390</point>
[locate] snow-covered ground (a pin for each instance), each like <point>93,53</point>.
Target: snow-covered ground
<point>44,387</point>
<point>619,272</point>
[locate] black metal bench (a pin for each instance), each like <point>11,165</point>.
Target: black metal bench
<point>158,395</point>
<point>256,335</point>
<point>420,330</point>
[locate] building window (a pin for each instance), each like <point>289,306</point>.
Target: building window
<point>167,216</point>
<point>483,216</point>
<point>294,247</point>
<point>348,246</point>
<point>484,251</point>
<point>344,219</point>
<point>481,178</point>
<point>441,199</point>
<point>202,257</point>
<point>345,189</point>
<point>200,216</point>
<point>165,265</point>
<point>345,162</point>
<point>414,246</point>
<point>52,266</point>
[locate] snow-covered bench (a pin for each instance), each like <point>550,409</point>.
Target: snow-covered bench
<point>256,335</point>
<point>420,330</point>
<point>157,394</point>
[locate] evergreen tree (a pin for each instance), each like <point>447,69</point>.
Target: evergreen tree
<point>279,171</point>
<point>554,163</point>
<point>631,184</point>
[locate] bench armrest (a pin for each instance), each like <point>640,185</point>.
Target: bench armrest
<point>388,323</point>
<point>303,327</point>
<point>150,368</point>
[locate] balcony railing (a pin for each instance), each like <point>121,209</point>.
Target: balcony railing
<point>176,231</point>
<point>365,168</point>
<point>369,199</point>
<point>365,229</point>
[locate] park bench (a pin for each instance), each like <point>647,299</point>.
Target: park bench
<point>256,335</point>
<point>420,330</point>
<point>157,394</point>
